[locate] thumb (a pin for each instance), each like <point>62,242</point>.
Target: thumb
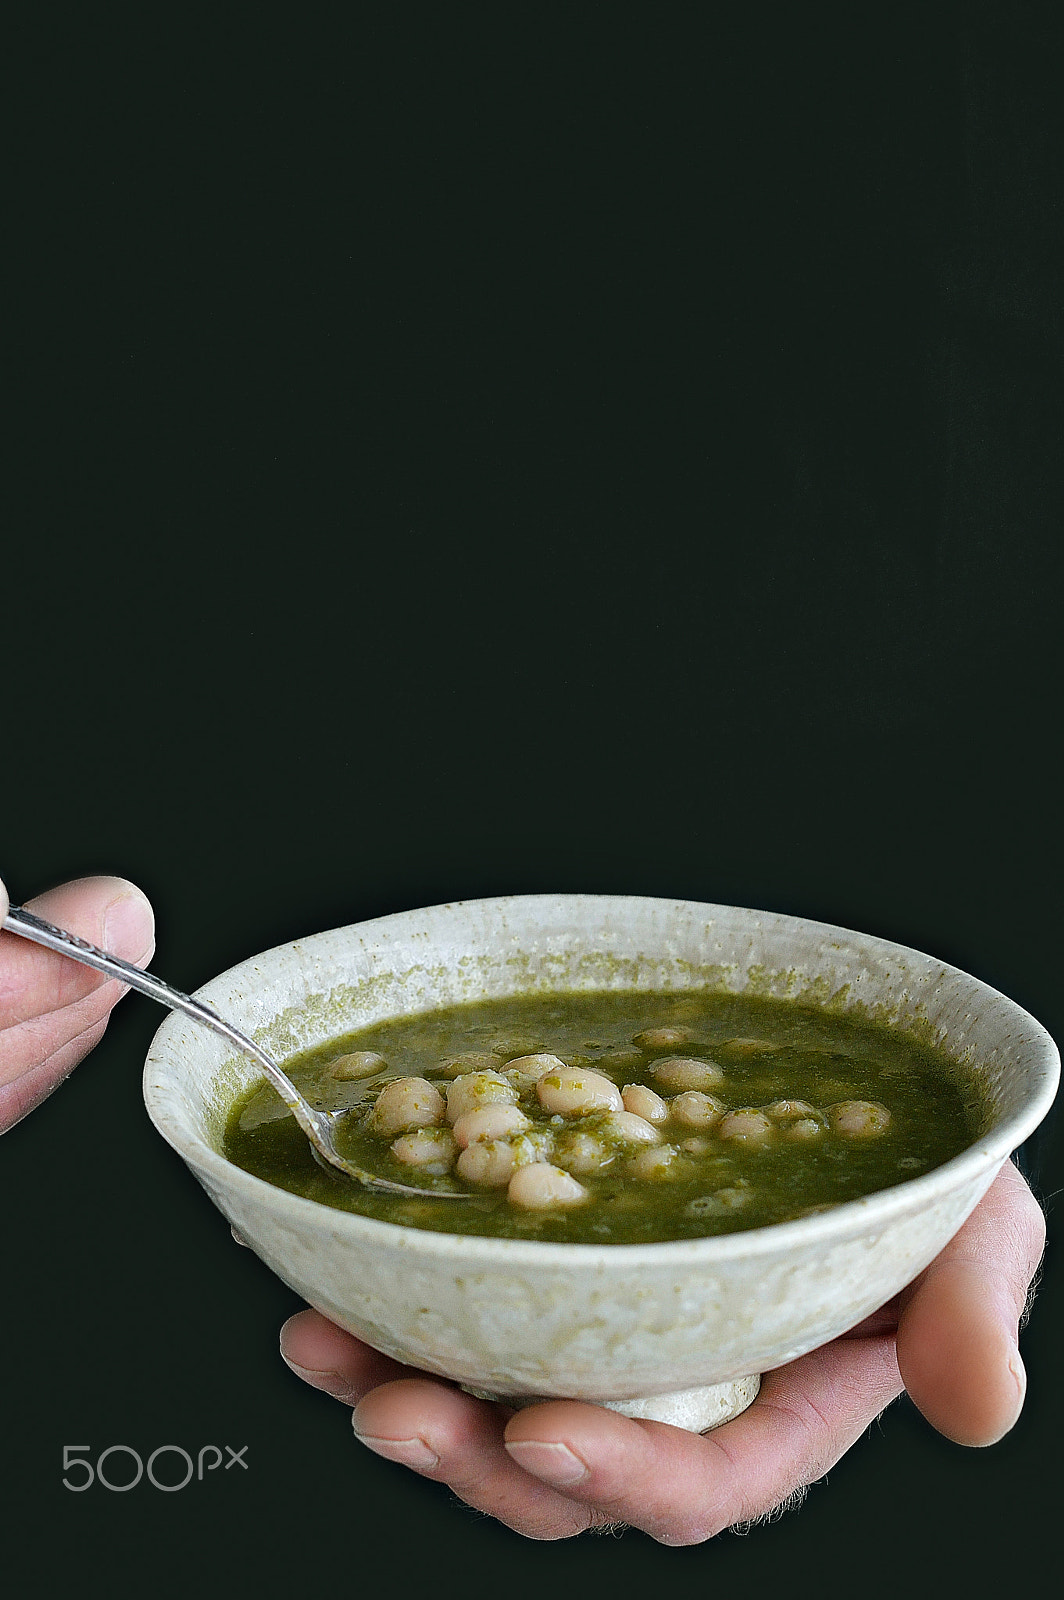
<point>958,1323</point>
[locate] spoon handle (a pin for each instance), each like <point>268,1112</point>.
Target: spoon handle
<point>28,926</point>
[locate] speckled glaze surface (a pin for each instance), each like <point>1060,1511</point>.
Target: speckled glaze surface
<point>625,1323</point>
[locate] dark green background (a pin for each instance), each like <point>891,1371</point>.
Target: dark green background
<point>611,451</point>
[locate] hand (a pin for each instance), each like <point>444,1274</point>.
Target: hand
<point>53,1010</point>
<point>555,1469</point>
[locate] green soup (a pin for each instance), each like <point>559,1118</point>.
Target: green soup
<point>758,1112</point>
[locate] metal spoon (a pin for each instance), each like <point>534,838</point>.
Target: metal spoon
<point>317,1125</point>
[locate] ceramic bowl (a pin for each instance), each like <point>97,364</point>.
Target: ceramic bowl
<point>679,1330</point>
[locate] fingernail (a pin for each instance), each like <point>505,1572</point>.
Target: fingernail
<point>128,924</point>
<point>331,1382</point>
<point>1019,1372</point>
<point>408,1452</point>
<point>553,1463</point>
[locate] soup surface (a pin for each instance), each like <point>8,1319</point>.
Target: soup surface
<point>660,1115</point>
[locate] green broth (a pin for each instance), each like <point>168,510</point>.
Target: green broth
<point>936,1110</point>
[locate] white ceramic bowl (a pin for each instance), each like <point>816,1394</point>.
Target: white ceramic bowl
<point>677,1330</point>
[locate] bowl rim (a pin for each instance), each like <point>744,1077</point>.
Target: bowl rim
<point>881,1206</point>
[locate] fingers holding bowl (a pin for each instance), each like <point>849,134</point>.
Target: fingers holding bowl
<point>560,1468</point>
<point>431,1427</point>
<point>447,1435</point>
<point>683,1488</point>
<point>333,1361</point>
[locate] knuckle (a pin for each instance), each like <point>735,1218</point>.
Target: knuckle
<point>1032,1224</point>
<point>687,1534</point>
<point>604,1522</point>
<point>699,1524</point>
<point>772,1512</point>
<point>1027,1236</point>
<point>1023,1214</point>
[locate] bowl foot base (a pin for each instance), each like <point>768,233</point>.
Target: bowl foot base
<point>697,1410</point>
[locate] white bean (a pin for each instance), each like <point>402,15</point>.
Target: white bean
<point>786,1110</point>
<point>574,1091</point>
<point>643,1102</point>
<point>686,1072</point>
<point>432,1149</point>
<point>581,1152</point>
<point>747,1126</point>
<point>804,1129</point>
<point>472,1061</point>
<point>540,1187</point>
<point>535,1145</point>
<point>720,1202</point>
<point>528,1070</point>
<point>475,1089</point>
<point>859,1119</point>
<point>662,1038</point>
<point>655,1163</point>
<point>496,1121</point>
<point>749,1047</point>
<point>358,1064</point>
<point>626,1127</point>
<point>405,1104</point>
<point>695,1109</point>
<point>489,1163</point>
